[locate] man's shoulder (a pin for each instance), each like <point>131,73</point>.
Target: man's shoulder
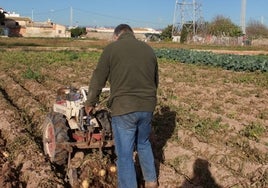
<point>109,46</point>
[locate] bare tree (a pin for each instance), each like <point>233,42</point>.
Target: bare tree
<point>255,29</point>
<point>222,26</point>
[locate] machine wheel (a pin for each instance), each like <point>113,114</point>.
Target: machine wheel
<point>55,133</point>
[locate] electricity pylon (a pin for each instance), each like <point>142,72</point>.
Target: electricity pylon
<point>187,14</point>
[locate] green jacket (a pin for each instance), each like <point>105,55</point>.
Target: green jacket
<point>130,66</point>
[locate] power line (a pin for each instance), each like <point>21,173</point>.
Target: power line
<point>116,17</point>
<point>77,13</point>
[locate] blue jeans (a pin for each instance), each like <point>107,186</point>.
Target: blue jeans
<point>132,130</point>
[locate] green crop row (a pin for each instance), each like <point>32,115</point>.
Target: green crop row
<point>226,61</point>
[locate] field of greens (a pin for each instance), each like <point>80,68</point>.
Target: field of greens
<point>210,127</point>
<point>226,61</point>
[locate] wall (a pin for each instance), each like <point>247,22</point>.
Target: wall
<point>108,35</point>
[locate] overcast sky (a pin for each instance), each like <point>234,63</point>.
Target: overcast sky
<point>139,13</point>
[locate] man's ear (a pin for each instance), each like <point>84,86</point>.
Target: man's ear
<point>115,37</point>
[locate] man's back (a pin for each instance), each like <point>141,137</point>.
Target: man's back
<point>133,75</point>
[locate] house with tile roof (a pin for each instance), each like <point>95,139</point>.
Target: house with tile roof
<point>16,26</point>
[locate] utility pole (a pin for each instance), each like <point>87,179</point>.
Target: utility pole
<point>32,16</point>
<point>71,17</point>
<point>243,16</point>
<point>262,20</point>
<point>51,15</point>
<point>174,25</point>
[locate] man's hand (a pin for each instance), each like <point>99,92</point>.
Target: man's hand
<point>89,109</point>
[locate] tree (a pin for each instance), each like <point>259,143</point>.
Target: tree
<point>221,26</point>
<point>2,17</point>
<point>255,29</point>
<point>78,31</point>
<point>184,33</point>
<point>167,33</point>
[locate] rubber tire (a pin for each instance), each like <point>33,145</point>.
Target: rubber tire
<point>55,131</point>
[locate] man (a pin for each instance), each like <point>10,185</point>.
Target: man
<point>130,67</point>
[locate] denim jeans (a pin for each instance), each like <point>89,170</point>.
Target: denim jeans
<point>132,131</point>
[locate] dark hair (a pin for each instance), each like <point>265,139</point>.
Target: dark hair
<point>122,27</point>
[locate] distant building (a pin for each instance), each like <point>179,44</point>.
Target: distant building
<point>45,29</point>
<point>176,38</point>
<point>16,26</point>
<point>144,34</point>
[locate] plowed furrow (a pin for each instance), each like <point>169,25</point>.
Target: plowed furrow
<point>22,99</point>
<point>39,92</point>
<point>28,166</point>
<point>226,163</point>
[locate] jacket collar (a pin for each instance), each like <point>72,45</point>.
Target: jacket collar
<point>126,35</point>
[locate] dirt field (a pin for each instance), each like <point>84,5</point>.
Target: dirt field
<point>210,125</point>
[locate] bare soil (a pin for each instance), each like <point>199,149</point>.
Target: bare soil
<point>199,139</point>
